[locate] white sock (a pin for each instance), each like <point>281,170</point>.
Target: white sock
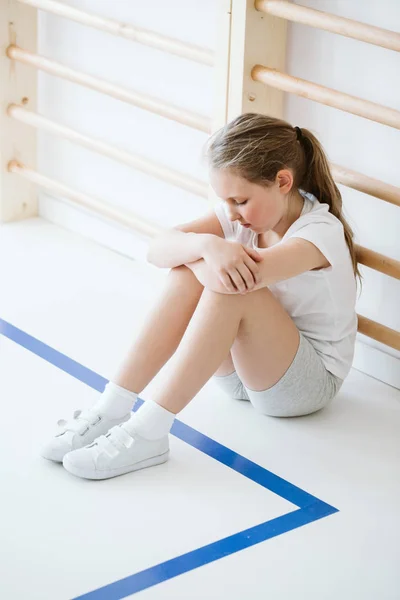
<point>116,401</point>
<point>151,421</point>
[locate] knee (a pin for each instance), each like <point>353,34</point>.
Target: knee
<point>180,269</point>
<point>182,273</point>
<point>183,278</point>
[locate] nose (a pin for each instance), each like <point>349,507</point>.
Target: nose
<point>233,216</point>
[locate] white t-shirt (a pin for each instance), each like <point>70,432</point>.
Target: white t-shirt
<point>321,303</point>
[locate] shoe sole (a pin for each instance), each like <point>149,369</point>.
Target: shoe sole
<point>52,459</point>
<point>89,474</point>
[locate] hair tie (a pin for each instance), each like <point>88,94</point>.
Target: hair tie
<point>299,133</point>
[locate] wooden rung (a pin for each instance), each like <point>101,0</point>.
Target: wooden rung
<point>378,262</point>
<point>153,169</point>
<point>324,95</point>
<point>367,185</point>
<point>100,207</point>
<point>379,332</point>
<point>335,24</point>
<point>126,30</point>
<point>154,105</point>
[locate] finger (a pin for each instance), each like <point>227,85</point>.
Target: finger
<point>247,276</point>
<point>237,280</point>
<point>253,253</point>
<point>255,270</point>
<point>226,280</point>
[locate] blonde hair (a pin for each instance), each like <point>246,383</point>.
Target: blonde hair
<point>256,147</point>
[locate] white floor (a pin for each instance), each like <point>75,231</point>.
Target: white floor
<point>63,537</point>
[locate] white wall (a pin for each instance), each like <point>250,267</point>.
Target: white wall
<point>347,65</point>
<point>372,73</point>
<point>176,80</point>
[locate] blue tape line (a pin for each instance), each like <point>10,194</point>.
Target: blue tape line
<point>207,554</point>
<point>310,508</point>
<point>54,357</point>
<point>243,465</point>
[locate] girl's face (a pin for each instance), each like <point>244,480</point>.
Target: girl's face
<point>261,208</point>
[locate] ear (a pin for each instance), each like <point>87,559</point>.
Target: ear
<point>284,179</point>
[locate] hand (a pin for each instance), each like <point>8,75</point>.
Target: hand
<point>234,264</point>
<point>207,277</point>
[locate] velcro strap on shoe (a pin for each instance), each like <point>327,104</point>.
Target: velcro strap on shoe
<point>116,440</point>
<point>80,422</point>
<point>103,445</point>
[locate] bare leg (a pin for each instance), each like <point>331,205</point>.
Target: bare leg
<point>263,339</point>
<point>262,336</point>
<point>206,343</point>
<point>163,330</point>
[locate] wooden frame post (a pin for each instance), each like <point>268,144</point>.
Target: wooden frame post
<point>246,37</point>
<point>255,36</point>
<point>18,83</point>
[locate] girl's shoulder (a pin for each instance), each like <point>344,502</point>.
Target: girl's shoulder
<point>313,214</point>
<point>320,227</point>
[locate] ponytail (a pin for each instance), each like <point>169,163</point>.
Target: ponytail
<point>318,180</point>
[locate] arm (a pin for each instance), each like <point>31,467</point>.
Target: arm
<point>175,248</point>
<point>200,245</point>
<point>289,259</point>
<point>279,262</point>
<point>185,243</point>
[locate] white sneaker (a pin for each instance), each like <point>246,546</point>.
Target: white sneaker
<point>116,453</point>
<point>85,427</point>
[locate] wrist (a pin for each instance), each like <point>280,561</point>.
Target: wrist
<point>206,240</point>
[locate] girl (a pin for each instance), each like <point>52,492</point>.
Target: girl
<point>261,293</point>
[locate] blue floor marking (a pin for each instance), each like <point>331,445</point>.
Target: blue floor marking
<point>309,509</point>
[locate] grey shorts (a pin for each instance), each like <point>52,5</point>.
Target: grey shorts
<point>307,386</point>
